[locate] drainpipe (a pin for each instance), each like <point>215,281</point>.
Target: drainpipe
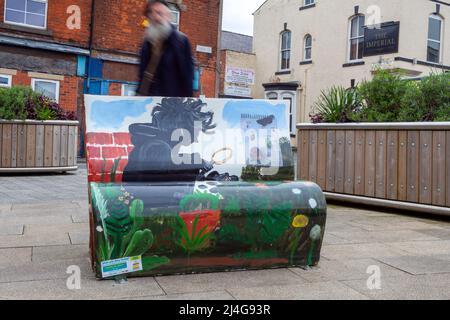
<point>219,41</point>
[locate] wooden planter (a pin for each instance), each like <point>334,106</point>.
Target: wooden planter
<point>398,165</point>
<point>27,146</point>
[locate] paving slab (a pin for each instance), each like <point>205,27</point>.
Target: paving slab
<point>80,218</point>
<point>227,280</point>
<point>7,229</point>
<point>49,270</point>
<point>44,239</point>
<point>81,237</point>
<point>331,290</point>
<point>360,251</point>
<point>352,269</point>
<point>14,256</point>
<point>423,248</point>
<point>58,253</point>
<point>418,265</point>
<point>56,289</point>
<point>209,295</point>
<point>407,287</point>
<point>383,236</point>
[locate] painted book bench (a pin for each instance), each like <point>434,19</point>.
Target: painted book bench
<point>187,185</point>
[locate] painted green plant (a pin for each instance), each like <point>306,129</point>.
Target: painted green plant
<point>191,241</point>
<point>262,224</point>
<point>121,233</point>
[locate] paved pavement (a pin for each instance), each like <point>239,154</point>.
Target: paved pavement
<point>44,230</point>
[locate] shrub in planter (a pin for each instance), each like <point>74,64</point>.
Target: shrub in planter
<point>382,97</point>
<point>337,105</point>
<point>427,100</point>
<point>21,103</point>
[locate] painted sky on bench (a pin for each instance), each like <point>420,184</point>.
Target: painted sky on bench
<point>115,114</point>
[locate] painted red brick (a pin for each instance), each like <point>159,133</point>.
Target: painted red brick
<point>96,166</point>
<point>122,164</point>
<point>93,152</point>
<point>122,138</point>
<point>114,152</point>
<point>99,138</point>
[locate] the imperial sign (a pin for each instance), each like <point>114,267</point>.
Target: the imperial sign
<point>381,40</point>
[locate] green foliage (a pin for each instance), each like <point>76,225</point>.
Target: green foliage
<point>195,241</point>
<point>122,222</point>
<point>263,222</point>
<point>152,262</point>
<point>139,244</point>
<point>20,103</point>
<point>387,98</point>
<point>337,105</point>
<point>427,100</point>
<point>12,102</point>
<point>382,97</point>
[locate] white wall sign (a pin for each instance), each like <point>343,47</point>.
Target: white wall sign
<point>204,49</point>
<point>240,76</point>
<point>239,91</point>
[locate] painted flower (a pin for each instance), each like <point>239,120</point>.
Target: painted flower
<point>120,198</point>
<point>300,221</point>
<point>312,203</point>
<point>208,218</point>
<point>99,229</point>
<point>296,191</point>
<point>315,233</point>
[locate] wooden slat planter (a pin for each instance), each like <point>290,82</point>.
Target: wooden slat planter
<point>27,146</point>
<point>399,165</point>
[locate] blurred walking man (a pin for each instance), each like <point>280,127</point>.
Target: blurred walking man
<point>166,67</point>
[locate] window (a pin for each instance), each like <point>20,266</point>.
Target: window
<point>272,96</point>
<point>434,38</point>
<point>291,114</point>
<point>356,38</point>
<point>129,90</point>
<point>307,53</point>
<point>308,2</point>
<point>175,16</point>
<point>285,50</point>
<point>32,13</point>
<point>48,88</point>
<point>5,80</point>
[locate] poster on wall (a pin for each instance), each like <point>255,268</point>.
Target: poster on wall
<point>241,76</point>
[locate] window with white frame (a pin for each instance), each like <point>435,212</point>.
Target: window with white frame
<point>129,90</point>
<point>5,80</point>
<point>175,16</point>
<point>434,43</point>
<point>285,53</point>
<point>31,13</point>
<point>307,52</point>
<point>356,38</point>
<point>308,2</point>
<point>48,88</point>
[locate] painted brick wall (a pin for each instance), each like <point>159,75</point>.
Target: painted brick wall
<point>102,149</point>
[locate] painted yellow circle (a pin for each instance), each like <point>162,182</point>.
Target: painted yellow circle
<point>300,221</point>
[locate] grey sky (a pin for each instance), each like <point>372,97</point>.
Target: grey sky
<point>237,15</point>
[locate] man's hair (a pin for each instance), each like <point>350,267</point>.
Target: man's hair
<point>152,2</point>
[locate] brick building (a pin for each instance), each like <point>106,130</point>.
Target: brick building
<point>66,48</point>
